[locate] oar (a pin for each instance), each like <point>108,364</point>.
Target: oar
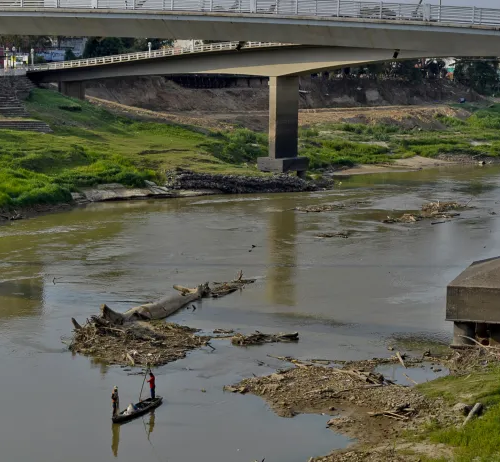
<point>143,382</point>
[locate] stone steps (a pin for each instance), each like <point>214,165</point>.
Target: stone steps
<point>14,89</point>
<point>25,125</point>
<point>14,111</point>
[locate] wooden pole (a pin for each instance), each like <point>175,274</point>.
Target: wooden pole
<point>143,382</point>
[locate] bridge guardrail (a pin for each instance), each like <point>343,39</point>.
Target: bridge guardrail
<point>325,8</point>
<point>172,51</point>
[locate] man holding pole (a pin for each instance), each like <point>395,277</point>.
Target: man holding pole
<point>152,385</point>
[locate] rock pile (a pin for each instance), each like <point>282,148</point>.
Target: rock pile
<point>237,184</point>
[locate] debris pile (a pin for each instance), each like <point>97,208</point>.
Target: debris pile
<point>434,208</point>
<point>140,343</point>
<point>320,208</point>
<point>319,388</point>
<point>258,338</point>
<point>135,337</point>
<point>405,218</point>
<point>430,210</point>
<point>342,234</point>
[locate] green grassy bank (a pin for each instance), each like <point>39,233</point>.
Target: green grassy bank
<point>355,143</point>
<point>479,441</point>
<point>91,146</point>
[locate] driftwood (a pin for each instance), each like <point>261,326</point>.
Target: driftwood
<point>476,410</point>
<point>135,344</point>
<point>157,310</point>
<point>400,358</point>
<point>399,413</point>
<point>410,380</point>
<point>343,234</point>
<point>320,208</point>
<point>258,338</point>
<point>130,338</point>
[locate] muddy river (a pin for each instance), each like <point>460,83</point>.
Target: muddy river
<point>347,297</point>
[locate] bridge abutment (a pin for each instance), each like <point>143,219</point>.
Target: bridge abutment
<point>283,128</point>
<point>73,89</point>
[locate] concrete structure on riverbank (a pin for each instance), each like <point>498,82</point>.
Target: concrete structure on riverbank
<point>473,303</point>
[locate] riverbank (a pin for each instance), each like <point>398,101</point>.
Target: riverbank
<point>390,420</point>
<point>91,148</point>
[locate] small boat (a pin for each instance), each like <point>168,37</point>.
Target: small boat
<point>141,408</point>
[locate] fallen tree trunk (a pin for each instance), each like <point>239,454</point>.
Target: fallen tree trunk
<point>475,411</point>
<point>156,310</point>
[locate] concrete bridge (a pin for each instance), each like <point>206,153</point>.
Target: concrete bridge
<point>346,23</point>
<point>332,34</point>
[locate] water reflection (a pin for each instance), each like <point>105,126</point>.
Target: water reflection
<point>115,441</point>
<point>97,363</point>
<point>151,423</point>
<point>21,298</point>
<point>283,257</point>
<point>115,432</point>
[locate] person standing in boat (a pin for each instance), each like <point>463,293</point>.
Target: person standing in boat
<point>115,400</point>
<point>152,385</point>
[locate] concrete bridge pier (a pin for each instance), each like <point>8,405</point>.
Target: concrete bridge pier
<point>283,128</point>
<point>74,89</point>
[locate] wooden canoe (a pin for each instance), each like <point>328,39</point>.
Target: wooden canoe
<point>143,407</point>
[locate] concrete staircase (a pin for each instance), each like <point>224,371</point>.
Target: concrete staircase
<point>25,125</point>
<point>10,106</point>
<point>13,90</point>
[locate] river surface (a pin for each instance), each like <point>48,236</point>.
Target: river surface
<point>348,298</point>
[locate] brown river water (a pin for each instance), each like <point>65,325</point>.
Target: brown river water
<point>346,297</point>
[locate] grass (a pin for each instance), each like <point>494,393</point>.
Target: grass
<point>480,439</point>
<point>92,146</point>
<point>478,135</point>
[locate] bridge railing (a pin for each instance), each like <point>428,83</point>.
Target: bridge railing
<point>325,8</point>
<point>171,51</point>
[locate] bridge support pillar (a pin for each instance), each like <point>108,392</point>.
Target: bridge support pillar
<point>283,128</point>
<point>73,89</point>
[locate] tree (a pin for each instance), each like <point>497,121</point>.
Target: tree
<point>97,46</point>
<point>376,69</point>
<point>25,42</point>
<point>408,70</point>
<point>69,55</point>
<point>479,74</point>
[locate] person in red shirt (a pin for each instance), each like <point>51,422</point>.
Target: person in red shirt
<point>152,385</point>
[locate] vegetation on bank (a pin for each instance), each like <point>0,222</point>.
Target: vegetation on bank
<point>351,143</point>
<point>91,146</point>
<point>479,440</point>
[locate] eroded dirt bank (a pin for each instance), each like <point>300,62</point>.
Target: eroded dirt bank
<point>161,94</point>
